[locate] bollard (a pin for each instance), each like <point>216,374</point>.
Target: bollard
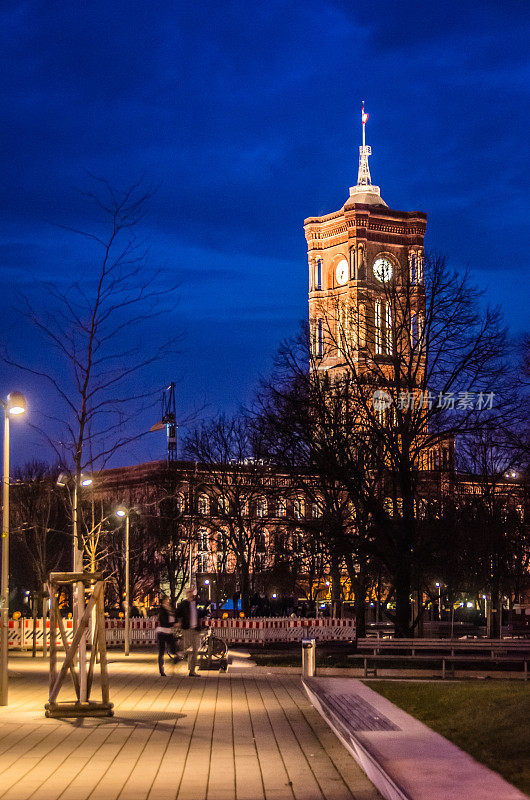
<point>308,658</point>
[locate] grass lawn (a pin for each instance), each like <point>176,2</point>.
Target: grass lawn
<point>489,720</point>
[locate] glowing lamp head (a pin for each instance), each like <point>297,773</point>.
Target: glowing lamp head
<point>62,479</point>
<point>15,404</point>
<point>121,511</point>
<point>206,582</point>
<point>85,480</point>
<point>437,585</point>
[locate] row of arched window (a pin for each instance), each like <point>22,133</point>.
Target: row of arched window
<point>263,507</point>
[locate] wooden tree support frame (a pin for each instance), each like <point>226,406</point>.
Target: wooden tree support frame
<point>97,645</point>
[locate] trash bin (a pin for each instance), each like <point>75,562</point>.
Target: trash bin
<point>308,657</point>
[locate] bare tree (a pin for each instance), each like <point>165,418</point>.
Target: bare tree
<point>376,392</point>
<point>93,329</point>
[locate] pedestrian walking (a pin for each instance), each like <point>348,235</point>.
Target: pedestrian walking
<point>164,631</point>
<point>189,616</point>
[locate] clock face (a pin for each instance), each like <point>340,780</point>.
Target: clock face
<point>383,269</point>
<point>341,272</point>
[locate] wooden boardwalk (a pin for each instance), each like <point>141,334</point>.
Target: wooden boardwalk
<point>239,736</point>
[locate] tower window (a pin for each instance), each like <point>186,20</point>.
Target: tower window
<point>412,266</point>
<point>388,329</point>
<point>362,326</point>
<point>319,273</point>
<point>378,347</point>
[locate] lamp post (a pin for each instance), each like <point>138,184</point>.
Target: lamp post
<point>439,587</point>
<point>14,406</point>
<point>78,606</point>
<point>122,512</point>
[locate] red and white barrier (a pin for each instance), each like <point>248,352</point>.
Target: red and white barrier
<point>240,631</point>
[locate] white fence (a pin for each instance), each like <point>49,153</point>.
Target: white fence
<point>142,631</point>
<point>283,629</point>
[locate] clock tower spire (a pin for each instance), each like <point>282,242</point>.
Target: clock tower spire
<point>364,181</point>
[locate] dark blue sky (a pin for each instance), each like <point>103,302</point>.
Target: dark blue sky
<point>246,117</point>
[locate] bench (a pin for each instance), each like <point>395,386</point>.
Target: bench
<point>370,661</point>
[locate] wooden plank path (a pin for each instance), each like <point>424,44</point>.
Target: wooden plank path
<point>244,735</point>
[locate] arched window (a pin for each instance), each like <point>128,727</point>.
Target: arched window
<point>298,508</point>
<point>203,505</point>
<point>281,507</point>
<point>319,274</point>
<point>261,507</point>
<point>180,503</point>
<point>222,504</point>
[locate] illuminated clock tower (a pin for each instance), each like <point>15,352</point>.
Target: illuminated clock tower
<point>353,254</point>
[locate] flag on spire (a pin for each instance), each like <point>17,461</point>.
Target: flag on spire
<point>364,116</point>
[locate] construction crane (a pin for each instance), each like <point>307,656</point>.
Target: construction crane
<point>169,422</point>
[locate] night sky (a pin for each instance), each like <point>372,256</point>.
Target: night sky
<point>245,116</point>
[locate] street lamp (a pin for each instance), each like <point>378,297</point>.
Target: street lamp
<point>122,512</point>
<point>14,405</point>
<point>439,587</point>
<point>208,584</point>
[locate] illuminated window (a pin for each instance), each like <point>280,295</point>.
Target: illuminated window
<point>261,507</point>
<point>316,511</point>
<point>203,505</point>
<point>202,562</point>
<point>181,504</point>
<point>419,268</point>
<point>282,507</point>
<point>223,504</point>
<point>412,267</point>
<point>388,329</point>
<point>204,540</point>
<point>298,508</point>
<point>377,320</point>
<point>362,326</point>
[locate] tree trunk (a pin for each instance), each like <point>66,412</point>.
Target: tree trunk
<point>402,595</point>
<point>44,621</point>
<point>336,589</point>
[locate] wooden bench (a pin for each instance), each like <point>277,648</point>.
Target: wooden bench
<point>370,661</point>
